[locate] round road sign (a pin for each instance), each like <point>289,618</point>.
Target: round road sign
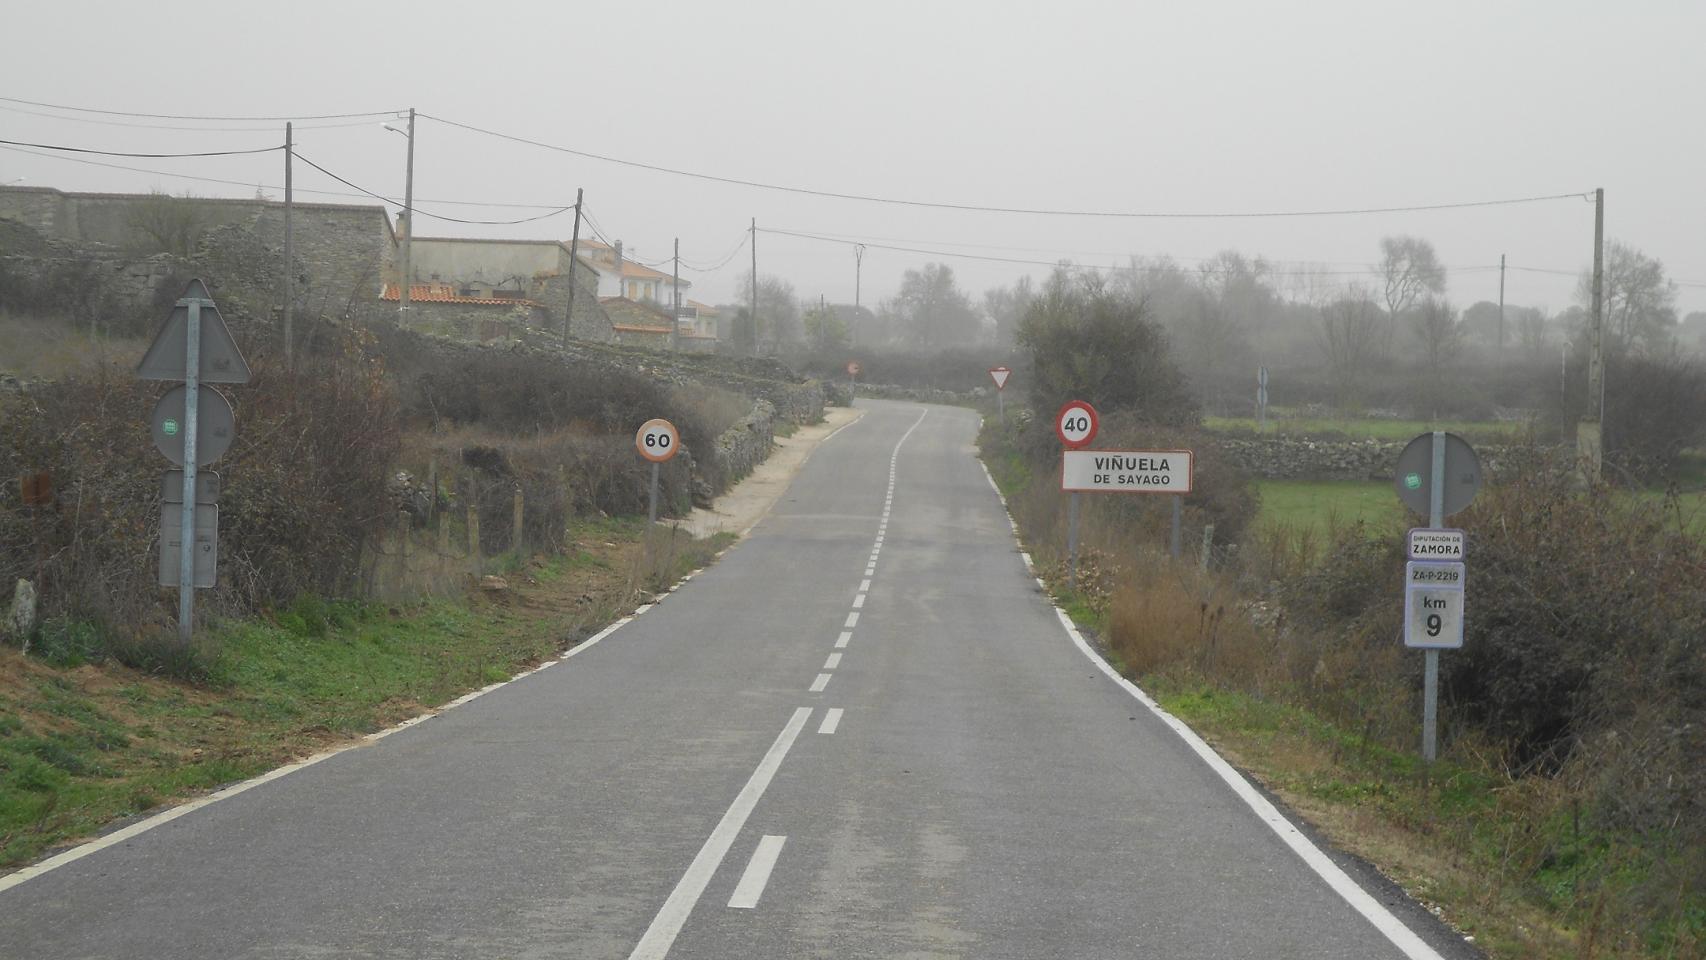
<point>216,426</point>
<point>1076,423</point>
<point>1413,476</point>
<point>657,440</point>
<point>853,368</point>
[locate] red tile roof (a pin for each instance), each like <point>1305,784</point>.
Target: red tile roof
<point>445,293</point>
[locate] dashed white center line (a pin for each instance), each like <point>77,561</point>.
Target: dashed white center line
<point>841,641</point>
<point>831,721</point>
<point>852,621</point>
<point>871,570</point>
<point>864,585</point>
<point>821,682</point>
<point>655,944</point>
<point>858,601</point>
<point>751,885</point>
<point>833,661</point>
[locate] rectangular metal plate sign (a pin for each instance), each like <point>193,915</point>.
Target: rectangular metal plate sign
<point>1433,605</point>
<point>1126,471</point>
<point>1431,543</point>
<point>206,544</point>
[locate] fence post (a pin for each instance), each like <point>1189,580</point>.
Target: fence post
<point>474,525</point>
<point>1207,545</point>
<point>432,488</point>
<point>444,534</point>
<point>515,542</point>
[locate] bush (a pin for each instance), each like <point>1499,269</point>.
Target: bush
<point>1655,409</point>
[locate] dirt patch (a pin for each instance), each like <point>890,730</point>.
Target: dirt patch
<point>741,508</point>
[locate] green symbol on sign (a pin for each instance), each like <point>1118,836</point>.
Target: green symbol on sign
<point>170,427</point>
<point>1413,481</point>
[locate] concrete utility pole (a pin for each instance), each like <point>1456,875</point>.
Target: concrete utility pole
<point>675,299</point>
<point>574,255</point>
<point>1590,432</point>
<point>754,285</point>
<point>1501,306</point>
<point>858,271</point>
<point>407,275</point>
<point>289,251</point>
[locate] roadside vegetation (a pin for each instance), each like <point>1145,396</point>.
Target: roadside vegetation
<point>1565,816</point>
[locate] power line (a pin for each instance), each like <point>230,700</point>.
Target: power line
<point>1058,263</point>
<point>424,213</point>
<point>151,156</point>
<point>183,116</point>
<point>157,126</point>
<point>735,181</point>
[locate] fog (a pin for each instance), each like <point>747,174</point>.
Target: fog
<point>1106,107</point>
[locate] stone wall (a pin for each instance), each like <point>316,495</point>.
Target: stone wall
<point>1296,458</point>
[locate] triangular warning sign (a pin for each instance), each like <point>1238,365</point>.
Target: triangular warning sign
<point>1000,375</point>
<point>221,361</point>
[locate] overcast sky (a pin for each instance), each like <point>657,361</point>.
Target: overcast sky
<point>1119,107</point>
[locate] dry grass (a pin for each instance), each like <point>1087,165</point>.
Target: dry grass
<point>34,348</point>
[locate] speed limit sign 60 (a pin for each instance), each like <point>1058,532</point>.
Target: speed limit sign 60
<point>657,440</point>
<point>1076,423</point>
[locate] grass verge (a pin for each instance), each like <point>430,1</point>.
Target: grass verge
<point>85,741</point>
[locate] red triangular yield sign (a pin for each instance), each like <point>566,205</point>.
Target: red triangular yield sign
<point>1000,375</point>
<point>221,361</point>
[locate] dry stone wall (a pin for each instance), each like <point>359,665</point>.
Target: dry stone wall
<point>1296,458</point>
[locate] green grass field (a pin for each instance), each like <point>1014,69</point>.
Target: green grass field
<point>1322,506</point>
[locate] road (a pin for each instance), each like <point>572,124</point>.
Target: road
<point>863,733</point>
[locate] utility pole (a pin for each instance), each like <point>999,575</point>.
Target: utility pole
<point>289,251</point>
<point>1590,434</point>
<point>754,285</point>
<point>408,226</point>
<point>1501,307</point>
<point>574,254</point>
<point>858,271</point>
<point>675,299</point>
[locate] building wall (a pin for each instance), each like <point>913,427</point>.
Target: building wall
<point>343,252</point>
<point>459,261</point>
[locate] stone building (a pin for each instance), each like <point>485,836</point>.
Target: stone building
<point>468,272</point>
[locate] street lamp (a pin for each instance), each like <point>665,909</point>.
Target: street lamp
<point>406,277</point>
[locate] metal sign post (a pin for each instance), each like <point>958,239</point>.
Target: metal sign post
<point>657,441</point>
<point>1261,399</point>
<point>195,335</point>
<point>186,519</point>
<point>1433,593</point>
<point>1075,424</point>
<point>1000,375</point>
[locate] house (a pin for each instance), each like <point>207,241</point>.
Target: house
<point>475,273</point>
<point>623,279</point>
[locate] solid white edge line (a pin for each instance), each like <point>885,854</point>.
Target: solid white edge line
<point>1348,889</point>
<point>757,873</point>
<point>818,684</point>
<point>831,721</point>
<point>140,827</point>
<point>833,661</point>
<point>655,943</point>
<point>1352,892</point>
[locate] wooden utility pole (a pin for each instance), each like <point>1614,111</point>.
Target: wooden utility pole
<point>675,300</point>
<point>289,251</point>
<point>574,255</point>
<point>858,270</point>
<point>407,278</point>
<point>1590,432</point>
<point>754,285</point>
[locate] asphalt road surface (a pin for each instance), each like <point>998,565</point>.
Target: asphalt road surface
<point>864,732</point>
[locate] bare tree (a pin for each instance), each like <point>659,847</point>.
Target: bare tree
<point>1438,331</point>
<point>162,223</point>
<point>1640,301</point>
<point>939,314</point>
<point>1350,337</point>
<point>1409,270</point>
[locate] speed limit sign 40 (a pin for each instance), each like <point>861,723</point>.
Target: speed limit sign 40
<point>1076,423</point>
<point>657,440</point>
